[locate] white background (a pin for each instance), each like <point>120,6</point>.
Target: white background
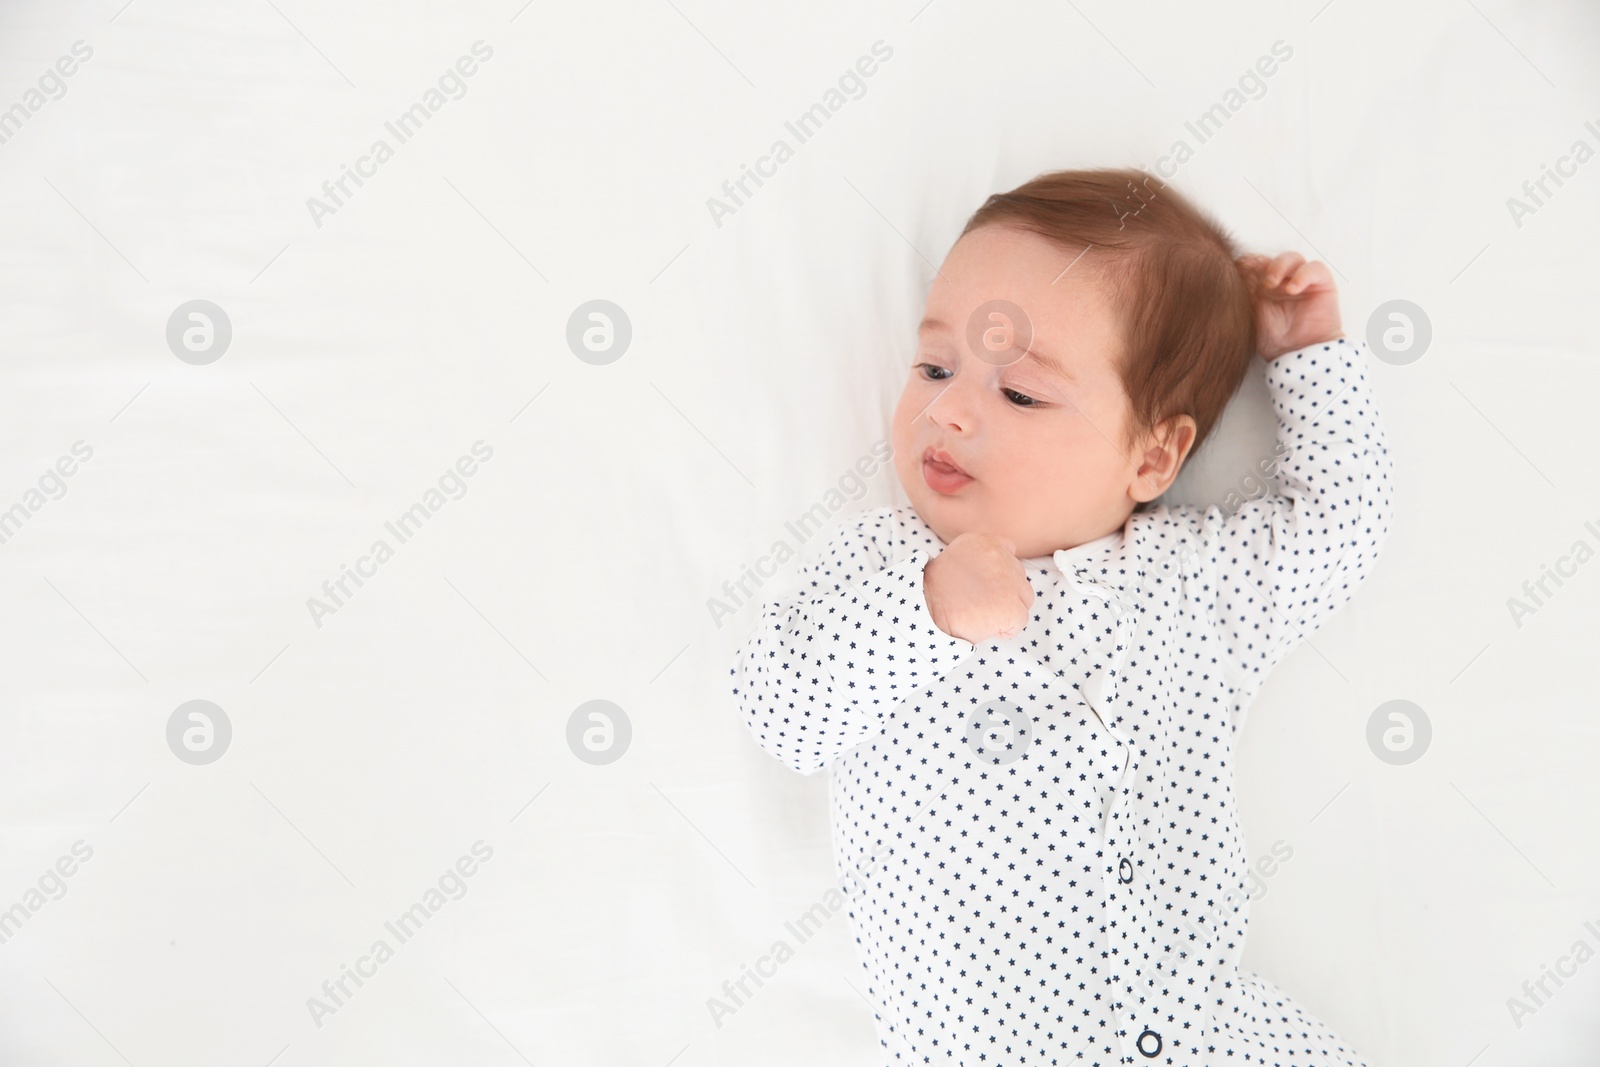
<point>371,752</point>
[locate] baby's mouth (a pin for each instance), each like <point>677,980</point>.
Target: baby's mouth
<point>941,475</point>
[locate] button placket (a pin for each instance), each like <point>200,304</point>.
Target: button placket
<point>1132,1006</point>
<point>1122,838</point>
<point>1120,842</point>
<point>1111,830</point>
<point>1120,876</point>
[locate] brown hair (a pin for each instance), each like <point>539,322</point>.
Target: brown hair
<point>1170,271</point>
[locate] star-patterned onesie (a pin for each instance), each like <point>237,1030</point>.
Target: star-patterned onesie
<point>1041,831</point>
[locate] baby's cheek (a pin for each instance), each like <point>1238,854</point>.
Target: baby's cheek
<point>1058,480</point>
<point>907,455</point>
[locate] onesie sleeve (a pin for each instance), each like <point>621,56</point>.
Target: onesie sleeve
<point>826,664</point>
<point>1273,569</point>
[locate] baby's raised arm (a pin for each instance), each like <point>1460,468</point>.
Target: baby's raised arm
<point>827,664</point>
<point>1272,571</point>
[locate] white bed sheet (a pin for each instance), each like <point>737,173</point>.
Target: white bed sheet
<point>377,339</point>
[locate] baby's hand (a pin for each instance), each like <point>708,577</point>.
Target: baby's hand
<point>977,589</point>
<point>1295,300</point>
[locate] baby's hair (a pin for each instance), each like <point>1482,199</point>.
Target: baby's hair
<point>1171,274</point>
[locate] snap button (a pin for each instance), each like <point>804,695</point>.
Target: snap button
<point>1140,1043</point>
<point>1125,870</point>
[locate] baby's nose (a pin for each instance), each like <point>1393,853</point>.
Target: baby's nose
<point>951,409</point>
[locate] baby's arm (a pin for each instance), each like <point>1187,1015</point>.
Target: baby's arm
<point>827,664</point>
<point>1272,571</point>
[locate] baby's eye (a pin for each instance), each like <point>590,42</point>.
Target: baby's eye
<point>925,367</point>
<point>1023,401</point>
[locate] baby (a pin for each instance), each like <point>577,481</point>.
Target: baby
<point>1027,685</point>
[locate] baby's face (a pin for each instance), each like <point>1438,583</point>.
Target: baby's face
<point>1039,448</point>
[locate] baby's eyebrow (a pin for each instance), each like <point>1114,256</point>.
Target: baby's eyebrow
<point>1052,364</point>
<point>1048,362</point>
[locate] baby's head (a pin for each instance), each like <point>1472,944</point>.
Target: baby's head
<point>1134,295</point>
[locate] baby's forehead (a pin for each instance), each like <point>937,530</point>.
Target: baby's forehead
<point>1027,268</point>
<point>1042,296</point>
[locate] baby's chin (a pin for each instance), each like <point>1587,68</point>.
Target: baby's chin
<point>950,517</point>
<point>943,515</point>
<point>943,531</point>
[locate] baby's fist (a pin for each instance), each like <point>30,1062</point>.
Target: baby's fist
<point>977,589</point>
<point>1295,301</point>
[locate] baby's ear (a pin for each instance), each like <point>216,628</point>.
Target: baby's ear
<point>1164,456</point>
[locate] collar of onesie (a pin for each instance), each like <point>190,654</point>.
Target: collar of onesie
<point>1104,567</point>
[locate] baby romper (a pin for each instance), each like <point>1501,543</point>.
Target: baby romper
<point>1039,835</point>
